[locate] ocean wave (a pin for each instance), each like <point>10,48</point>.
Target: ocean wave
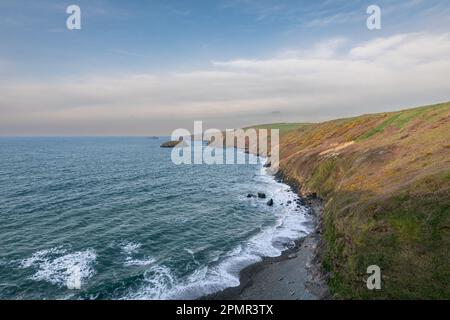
<point>292,223</point>
<point>3,262</point>
<point>193,253</point>
<point>130,262</point>
<point>130,249</point>
<point>61,268</point>
<point>157,284</point>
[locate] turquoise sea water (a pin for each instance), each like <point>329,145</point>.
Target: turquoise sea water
<point>114,218</point>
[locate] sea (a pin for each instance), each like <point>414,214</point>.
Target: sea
<point>114,218</point>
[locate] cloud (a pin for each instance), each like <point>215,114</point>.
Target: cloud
<point>339,18</point>
<point>332,79</point>
<point>413,48</point>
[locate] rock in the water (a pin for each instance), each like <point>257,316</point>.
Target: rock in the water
<point>270,202</point>
<point>289,202</point>
<point>267,165</point>
<point>261,195</point>
<point>170,144</point>
<point>251,195</point>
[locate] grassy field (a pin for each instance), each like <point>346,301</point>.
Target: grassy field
<point>283,127</point>
<point>385,181</point>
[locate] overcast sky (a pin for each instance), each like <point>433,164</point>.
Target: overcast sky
<point>149,67</point>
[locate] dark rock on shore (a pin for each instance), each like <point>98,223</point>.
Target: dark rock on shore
<point>312,196</point>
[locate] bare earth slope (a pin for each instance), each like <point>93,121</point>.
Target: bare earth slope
<point>385,181</point>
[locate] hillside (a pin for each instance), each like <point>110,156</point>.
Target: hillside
<point>283,127</point>
<point>385,182</point>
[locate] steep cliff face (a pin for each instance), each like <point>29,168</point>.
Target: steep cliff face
<point>385,181</point>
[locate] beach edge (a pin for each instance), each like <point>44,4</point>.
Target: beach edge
<point>296,274</point>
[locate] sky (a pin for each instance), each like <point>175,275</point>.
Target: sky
<point>150,67</point>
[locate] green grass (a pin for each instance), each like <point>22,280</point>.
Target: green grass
<point>400,119</point>
<point>391,120</point>
<point>322,178</point>
<point>283,127</point>
<point>407,226</point>
<point>413,252</point>
<point>407,117</point>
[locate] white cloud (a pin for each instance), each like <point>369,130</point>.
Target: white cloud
<point>339,18</point>
<point>303,85</point>
<point>415,47</point>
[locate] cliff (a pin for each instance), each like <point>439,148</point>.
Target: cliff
<point>385,182</point>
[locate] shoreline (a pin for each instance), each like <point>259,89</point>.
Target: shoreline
<point>294,275</point>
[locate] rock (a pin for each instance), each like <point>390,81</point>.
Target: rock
<point>268,165</point>
<point>289,202</point>
<point>270,202</point>
<point>281,279</point>
<point>261,195</point>
<point>173,144</point>
<point>250,195</point>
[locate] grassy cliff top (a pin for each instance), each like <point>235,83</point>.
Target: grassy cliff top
<point>283,127</point>
<point>385,179</point>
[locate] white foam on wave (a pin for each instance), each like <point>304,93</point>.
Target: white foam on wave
<point>129,262</point>
<point>61,268</point>
<point>158,283</point>
<point>130,249</point>
<point>292,223</point>
<point>193,253</point>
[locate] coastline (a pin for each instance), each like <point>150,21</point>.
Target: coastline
<point>294,275</point>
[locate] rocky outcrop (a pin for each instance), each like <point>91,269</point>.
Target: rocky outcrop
<point>172,144</point>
